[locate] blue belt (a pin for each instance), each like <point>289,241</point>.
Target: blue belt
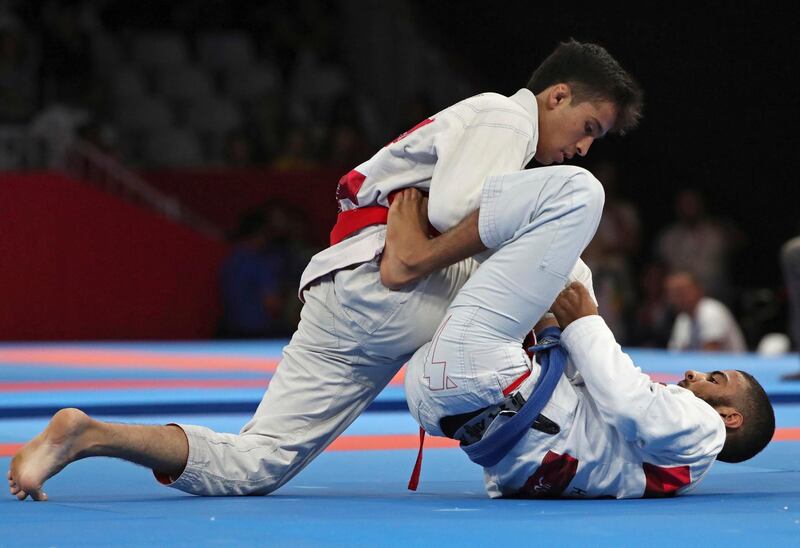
<point>495,445</point>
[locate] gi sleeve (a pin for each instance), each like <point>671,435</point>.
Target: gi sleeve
<point>583,274</point>
<point>667,422</point>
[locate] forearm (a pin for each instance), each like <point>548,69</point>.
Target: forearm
<point>462,241</point>
<point>620,391</point>
<point>409,254</point>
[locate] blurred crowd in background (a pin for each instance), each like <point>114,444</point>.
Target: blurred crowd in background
<point>191,84</point>
<point>293,86</point>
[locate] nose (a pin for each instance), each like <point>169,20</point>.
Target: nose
<point>693,376</point>
<point>582,147</point>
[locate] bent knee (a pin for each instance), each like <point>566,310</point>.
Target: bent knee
<point>588,187</point>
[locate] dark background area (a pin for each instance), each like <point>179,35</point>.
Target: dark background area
<point>721,101</point>
<point>341,78</point>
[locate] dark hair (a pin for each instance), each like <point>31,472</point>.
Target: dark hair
<point>593,75</point>
<point>757,428</point>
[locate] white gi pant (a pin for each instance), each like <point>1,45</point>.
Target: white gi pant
<point>354,334</point>
<point>541,220</point>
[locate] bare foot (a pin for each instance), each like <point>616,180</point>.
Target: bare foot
<point>48,453</point>
<point>406,235</point>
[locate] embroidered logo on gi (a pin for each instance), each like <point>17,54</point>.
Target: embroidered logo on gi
<point>436,371</point>
<point>552,477</point>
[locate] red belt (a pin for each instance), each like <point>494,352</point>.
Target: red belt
<point>351,221</point>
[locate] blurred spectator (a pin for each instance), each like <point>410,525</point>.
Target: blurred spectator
<point>100,135</point>
<point>702,323</point>
<point>653,318</point>
<point>790,261</point>
<point>699,244</point>
<point>252,302</point>
<point>610,253</point>
<point>57,126</point>
<point>288,244</point>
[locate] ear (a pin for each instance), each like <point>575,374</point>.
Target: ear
<point>731,416</point>
<point>558,94</point>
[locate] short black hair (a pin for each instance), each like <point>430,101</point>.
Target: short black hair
<point>757,428</point>
<point>593,75</point>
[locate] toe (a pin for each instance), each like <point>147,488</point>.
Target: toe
<point>21,495</point>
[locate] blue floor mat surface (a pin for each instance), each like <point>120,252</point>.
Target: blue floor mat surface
<point>359,498</point>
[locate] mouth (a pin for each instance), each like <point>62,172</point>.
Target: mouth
<point>682,383</point>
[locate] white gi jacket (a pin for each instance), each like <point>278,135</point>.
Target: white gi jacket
<point>621,435</point>
<point>449,155</point>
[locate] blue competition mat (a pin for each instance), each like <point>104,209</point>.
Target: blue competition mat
<point>352,497</point>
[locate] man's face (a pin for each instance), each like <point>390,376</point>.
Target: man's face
<point>716,386</point>
<point>682,293</point>
<point>566,129</point>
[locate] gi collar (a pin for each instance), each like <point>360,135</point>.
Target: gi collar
<point>527,100</point>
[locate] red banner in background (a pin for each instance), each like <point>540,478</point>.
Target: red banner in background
<point>79,263</point>
<point>222,195</point>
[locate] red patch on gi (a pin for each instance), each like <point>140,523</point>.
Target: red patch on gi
<point>412,130</point>
<point>552,477</point>
<point>349,185</point>
<point>664,482</point>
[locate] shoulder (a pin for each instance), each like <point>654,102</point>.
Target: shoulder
<point>491,106</point>
<point>712,309</point>
<point>488,100</point>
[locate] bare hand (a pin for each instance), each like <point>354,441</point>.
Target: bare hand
<point>406,237</point>
<point>572,303</point>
